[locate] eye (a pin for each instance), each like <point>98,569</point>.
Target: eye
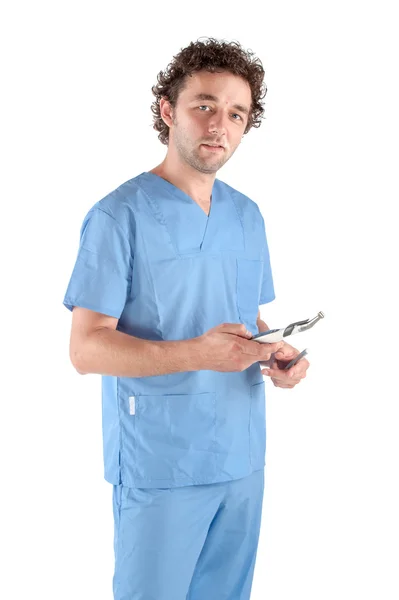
<point>239,117</point>
<point>203,106</point>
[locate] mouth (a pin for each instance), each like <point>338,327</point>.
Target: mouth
<point>213,147</point>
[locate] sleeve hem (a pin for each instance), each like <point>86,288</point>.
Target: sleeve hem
<point>69,304</point>
<point>267,299</point>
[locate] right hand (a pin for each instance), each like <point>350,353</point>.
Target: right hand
<point>228,348</point>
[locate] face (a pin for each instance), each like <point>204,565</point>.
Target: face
<point>209,119</point>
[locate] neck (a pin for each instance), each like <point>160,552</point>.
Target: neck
<point>195,184</point>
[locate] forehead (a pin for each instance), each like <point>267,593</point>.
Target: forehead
<point>228,88</point>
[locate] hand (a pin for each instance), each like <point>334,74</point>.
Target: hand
<point>228,347</point>
<point>277,373</point>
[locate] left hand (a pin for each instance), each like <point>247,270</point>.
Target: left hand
<point>277,362</point>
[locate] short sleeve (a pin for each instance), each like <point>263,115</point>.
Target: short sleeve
<point>267,293</point>
<point>101,277</point>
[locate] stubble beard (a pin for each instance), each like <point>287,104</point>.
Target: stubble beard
<point>191,155</point>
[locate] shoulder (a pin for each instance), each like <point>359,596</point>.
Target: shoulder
<point>247,208</point>
<point>249,213</point>
<point>118,207</point>
<point>242,200</point>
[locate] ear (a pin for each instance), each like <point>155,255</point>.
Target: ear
<point>166,111</point>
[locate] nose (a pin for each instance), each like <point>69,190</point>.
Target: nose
<point>217,122</point>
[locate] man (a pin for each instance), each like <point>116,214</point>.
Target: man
<point>165,293</point>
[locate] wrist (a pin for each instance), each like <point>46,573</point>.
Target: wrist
<point>194,352</point>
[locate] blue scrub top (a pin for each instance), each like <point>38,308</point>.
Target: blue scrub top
<point>152,258</point>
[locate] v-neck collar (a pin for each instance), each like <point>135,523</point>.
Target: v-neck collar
<point>187,223</point>
<point>176,190</point>
<point>190,230</point>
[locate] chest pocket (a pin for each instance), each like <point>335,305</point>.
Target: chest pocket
<point>249,284</point>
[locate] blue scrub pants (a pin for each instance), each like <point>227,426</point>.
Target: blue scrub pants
<point>195,542</point>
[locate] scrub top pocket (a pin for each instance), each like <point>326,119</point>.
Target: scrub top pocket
<point>175,436</point>
<point>249,283</point>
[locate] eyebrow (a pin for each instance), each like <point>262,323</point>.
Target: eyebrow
<point>213,98</point>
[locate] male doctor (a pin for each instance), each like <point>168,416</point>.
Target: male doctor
<point>171,269</point>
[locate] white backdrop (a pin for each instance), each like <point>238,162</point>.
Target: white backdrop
<point>323,167</point>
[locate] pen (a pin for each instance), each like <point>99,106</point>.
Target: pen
<point>295,360</point>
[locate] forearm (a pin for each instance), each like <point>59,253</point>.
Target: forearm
<point>111,352</point>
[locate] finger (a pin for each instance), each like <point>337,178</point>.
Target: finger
<point>284,374</point>
<point>271,347</point>
<point>290,376</point>
<point>302,365</point>
<point>264,351</point>
<point>287,354</point>
<point>300,370</point>
<point>284,386</point>
<point>238,329</point>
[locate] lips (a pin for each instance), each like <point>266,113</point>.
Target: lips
<point>213,146</point>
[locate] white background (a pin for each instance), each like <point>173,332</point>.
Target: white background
<point>323,167</point>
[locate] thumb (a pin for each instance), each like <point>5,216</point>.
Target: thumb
<point>286,353</point>
<point>236,329</point>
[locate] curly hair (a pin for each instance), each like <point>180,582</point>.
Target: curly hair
<point>213,56</point>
